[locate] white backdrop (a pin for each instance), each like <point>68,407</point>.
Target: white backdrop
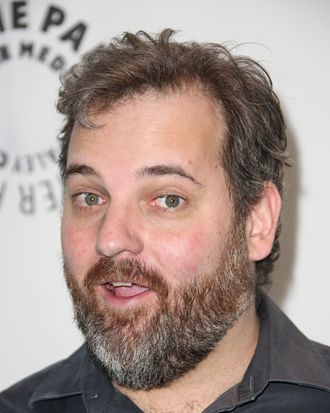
<point>37,37</point>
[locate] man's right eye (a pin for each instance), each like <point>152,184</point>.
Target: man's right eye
<point>87,200</point>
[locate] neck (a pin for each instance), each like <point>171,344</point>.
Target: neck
<point>220,370</point>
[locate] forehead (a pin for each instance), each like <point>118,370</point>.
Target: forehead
<point>183,126</point>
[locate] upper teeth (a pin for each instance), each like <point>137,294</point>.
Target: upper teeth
<point>121,284</point>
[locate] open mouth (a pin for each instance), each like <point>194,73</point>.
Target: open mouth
<point>124,290</point>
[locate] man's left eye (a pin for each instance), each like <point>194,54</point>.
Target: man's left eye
<point>170,201</point>
<point>91,199</point>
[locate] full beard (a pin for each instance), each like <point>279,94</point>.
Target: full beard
<point>153,345</point>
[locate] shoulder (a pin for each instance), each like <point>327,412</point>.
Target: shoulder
<point>292,398</point>
<point>323,351</point>
<point>19,397</point>
<point>293,358</point>
<point>299,368</point>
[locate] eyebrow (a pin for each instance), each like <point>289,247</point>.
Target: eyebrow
<point>161,170</point>
<point>79,169</point>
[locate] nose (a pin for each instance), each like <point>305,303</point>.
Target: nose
<point>119,234</point>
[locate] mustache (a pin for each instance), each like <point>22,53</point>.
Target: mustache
<point>108,270</point>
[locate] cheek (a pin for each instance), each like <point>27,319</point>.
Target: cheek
<point>192,253</point>
<point>78,249</point>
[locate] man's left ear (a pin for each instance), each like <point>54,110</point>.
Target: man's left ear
<point>262,223</point>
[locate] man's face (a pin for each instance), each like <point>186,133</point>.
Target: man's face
<point>151,255</point>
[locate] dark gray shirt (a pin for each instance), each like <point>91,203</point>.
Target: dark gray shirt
<point>288,373</point>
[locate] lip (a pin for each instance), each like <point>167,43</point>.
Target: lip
<point>124,301</point>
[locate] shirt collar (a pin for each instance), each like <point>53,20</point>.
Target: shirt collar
<point>65,378</point>
<point>293,358</point>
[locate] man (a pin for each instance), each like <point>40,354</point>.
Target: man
<point>172,163</point>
